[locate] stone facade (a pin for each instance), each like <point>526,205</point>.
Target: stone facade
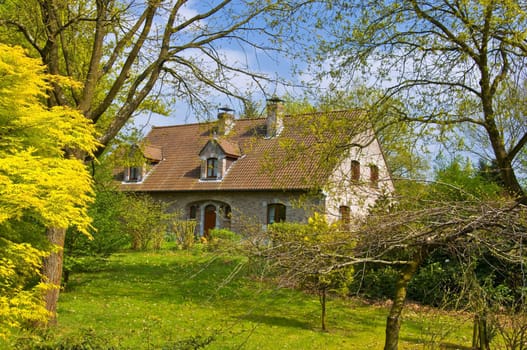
<point>245,207</point>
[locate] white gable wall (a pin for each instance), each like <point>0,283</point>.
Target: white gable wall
<point>342,190</point>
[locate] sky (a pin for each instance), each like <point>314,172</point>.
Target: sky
<point>271,64</point>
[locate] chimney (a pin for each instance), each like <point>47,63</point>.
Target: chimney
<point>225,121</point>
<point>275,117</point>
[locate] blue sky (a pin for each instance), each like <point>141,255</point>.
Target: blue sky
<point>269,63</point>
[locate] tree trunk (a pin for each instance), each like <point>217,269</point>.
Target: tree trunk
<point>52,270</point>
<point>323,307</point>
<point>480,336</point>
<point>393,322</point>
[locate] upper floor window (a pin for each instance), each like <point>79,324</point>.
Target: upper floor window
<point>212,168</point>
<point>355,170</point>
<point>275,213</point>
<point>134,174</point>
<point>374,176</point>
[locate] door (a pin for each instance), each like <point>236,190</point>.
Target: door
<point>210,220</point>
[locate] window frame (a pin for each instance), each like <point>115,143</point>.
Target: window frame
<point>278,211</point>
<point>355,170</point>
<point>345,215</point>
<point>135,174</point>
<point>212,167</point>
<point>374,176</point>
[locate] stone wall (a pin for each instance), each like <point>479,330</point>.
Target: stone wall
<point>247,207</point>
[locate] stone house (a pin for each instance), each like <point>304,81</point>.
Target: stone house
<point>230,172</point>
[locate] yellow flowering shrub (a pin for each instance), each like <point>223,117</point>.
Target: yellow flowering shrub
<point>39,182</point>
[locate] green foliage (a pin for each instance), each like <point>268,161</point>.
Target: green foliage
<point>458,181</point>
<point>377,283</point>
<point>309,256</point>
<point>223,240</point>
<point>83,253</point>
<point>438,283</point>
<point>184,232</point>
<point>40,183</point>
<point>145,221</point>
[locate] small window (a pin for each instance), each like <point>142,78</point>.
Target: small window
<point>193,212</point>
<point>374,176</point>
<point>212,168</point>
<point>345,215</point>
<point>275,213</point>
<point>226,214</point>
<point>135,174</point>
<point>355,170</point>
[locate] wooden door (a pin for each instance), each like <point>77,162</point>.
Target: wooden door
<point>210,220</point>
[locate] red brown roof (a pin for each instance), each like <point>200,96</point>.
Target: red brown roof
<point>262,165</point>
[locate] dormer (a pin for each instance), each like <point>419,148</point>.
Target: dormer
<point>141,159</point>
<point>217,156</point>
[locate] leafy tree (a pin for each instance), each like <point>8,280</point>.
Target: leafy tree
<point>130,57</point>
<point>456,66</point>
<point>108,235</point>
<point>307,256</point>
<point>39,184</point>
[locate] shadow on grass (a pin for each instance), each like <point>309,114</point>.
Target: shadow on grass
<point>162,278</point>
<point>276,321</point>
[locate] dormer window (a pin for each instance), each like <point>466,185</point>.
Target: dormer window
<point>217,156</point>
<point>134,174</point>
<point>212,168</point>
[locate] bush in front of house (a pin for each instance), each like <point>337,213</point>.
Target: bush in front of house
<point>223,239</point>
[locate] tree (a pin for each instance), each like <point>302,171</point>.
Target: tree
<point>456,65</point>
<point>130,57</point>
<point>306,256</point>
<point>39,184</point>
<point>83,253</point>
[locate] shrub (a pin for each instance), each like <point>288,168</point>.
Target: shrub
<point>184,233</point>
<point>223,239</point>
<point>375,282</point>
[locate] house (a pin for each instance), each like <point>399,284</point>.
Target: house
<point>229,172</point>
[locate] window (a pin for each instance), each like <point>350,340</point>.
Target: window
<point>135,174</point>
<point>212,168</point>
<point>345,216</point>
<point>374,176</point>
<point>275,213</point>
<point>193,212</point>
<point>226,214</point>
<point>355,170</point>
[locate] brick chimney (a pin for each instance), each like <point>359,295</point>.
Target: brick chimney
<point>225,121</point>
<point>275,117</point>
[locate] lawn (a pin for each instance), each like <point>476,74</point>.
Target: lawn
<point>167,299</point>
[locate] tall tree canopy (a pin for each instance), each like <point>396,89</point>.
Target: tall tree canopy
<point>457,65</point>
<point>135,55</point>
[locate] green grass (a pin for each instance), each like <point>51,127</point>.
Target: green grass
<point>154,300</point>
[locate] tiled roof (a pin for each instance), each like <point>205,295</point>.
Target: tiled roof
<point>262,164</point>
<point>230,148</point>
